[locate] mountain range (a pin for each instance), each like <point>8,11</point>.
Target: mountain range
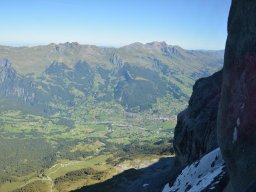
<point>135,76</point>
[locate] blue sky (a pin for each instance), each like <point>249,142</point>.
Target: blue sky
<point>192,24</point>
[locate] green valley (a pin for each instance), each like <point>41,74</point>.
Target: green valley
<point>73,115</point>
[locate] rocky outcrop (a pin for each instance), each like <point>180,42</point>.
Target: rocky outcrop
<point>6,72</point>
<point>195,142</point>
<point>117,61</point>
<point>20,92</point>
<point>236,117</point>
<point>195,132</point>
<point>13,86</point>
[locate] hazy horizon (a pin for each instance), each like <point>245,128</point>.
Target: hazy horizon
<point>189,24</point>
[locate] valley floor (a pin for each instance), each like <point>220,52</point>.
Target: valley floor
<point>39,154</point>
<point>67,175</point>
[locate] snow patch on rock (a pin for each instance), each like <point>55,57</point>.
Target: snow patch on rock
<point>238,122</point>
<point>236,130</point>
<point>234,135</point>
<point>200,175</point>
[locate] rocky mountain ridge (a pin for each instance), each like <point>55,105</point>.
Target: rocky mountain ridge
<point>36,59</point>
<point>136,76</point>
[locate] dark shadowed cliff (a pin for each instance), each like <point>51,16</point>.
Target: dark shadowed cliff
<point>231,94</point>
<point>195,132</point>
<point>236,118</point>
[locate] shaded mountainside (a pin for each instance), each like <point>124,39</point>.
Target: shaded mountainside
<point>195,132</point>
<point>195,138</point>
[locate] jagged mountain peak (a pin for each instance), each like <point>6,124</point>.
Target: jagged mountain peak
<point>158,44</point>
<point>151,45</point>
<point>66,44</point>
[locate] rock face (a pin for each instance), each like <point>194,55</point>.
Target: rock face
<point>6,72</point>
<point>195,132</point>
<point>13,86</point>
<point>236,117</point>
